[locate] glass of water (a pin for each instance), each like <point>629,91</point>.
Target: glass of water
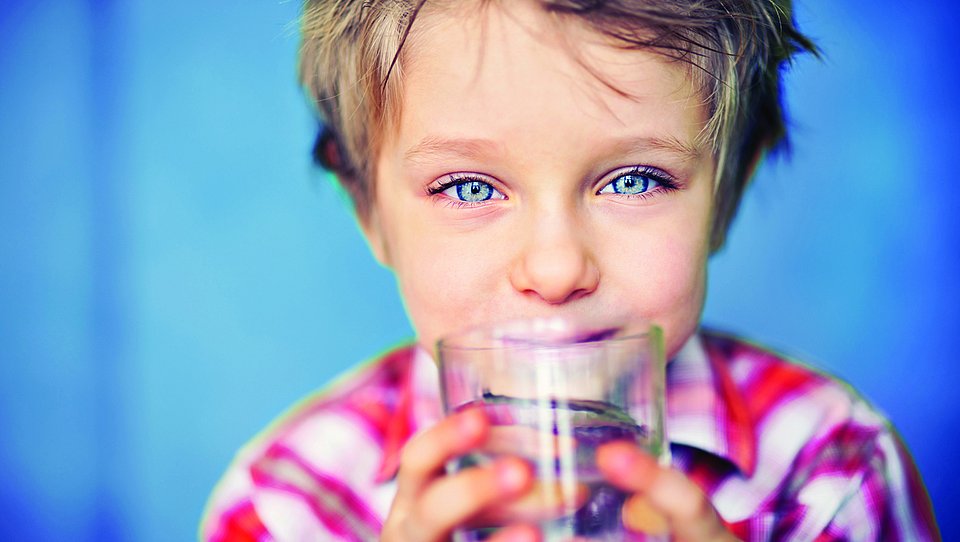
<point>554,390</point>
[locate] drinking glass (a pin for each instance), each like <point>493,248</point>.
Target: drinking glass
<point>554,390</point>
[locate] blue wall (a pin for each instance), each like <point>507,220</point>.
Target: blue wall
<point>173,273</point>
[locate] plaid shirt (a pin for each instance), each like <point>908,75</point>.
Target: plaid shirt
<point>783,452</point>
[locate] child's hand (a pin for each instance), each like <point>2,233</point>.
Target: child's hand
<point>429,505</point>
<point>664,500</point>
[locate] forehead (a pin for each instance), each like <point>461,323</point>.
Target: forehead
<point>508,68</point>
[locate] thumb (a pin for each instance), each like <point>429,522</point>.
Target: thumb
<point>664,499</point>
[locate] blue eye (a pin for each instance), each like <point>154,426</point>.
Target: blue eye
<point>630,183</point>
<point>466,190</point>
<point>473,191</point>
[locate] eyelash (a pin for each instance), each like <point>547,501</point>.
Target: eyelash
<point>454,180</point>
<point>665,180</point>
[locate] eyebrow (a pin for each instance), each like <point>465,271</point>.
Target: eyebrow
<point>684,150</point>
<point>432,147</point>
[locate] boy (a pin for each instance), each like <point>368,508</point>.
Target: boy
<point>525,158</point>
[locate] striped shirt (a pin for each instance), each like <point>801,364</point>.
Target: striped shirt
<point>783,452</point>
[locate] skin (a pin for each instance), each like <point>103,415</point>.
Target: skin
<point>497,93</point>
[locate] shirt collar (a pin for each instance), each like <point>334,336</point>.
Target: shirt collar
<point>418,407</point>
<point>705,409</point>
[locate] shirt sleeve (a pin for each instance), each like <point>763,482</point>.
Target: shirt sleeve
<point>278,498</point>
<point>238,523</point>
<point>859,484</point>
<point>230,514</point>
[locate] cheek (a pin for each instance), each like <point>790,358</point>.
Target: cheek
<point>678,273</point>
<point>680,295</point>
<point>446,283</point>
<point>447,277</point>
<point>665,281</point>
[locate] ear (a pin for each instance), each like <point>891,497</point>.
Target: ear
<point>370,226</point>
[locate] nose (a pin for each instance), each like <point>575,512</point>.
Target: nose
<point>555,264</point>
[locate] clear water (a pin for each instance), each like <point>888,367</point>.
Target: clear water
<point>589,424</point>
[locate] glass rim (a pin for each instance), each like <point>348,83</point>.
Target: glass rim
<point>575,333</point>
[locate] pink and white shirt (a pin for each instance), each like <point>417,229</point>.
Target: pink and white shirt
<point>783,452</point>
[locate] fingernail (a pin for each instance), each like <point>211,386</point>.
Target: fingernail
<point>471,424</point>
<point>519,533</point>
<point>511,475</point>
<point>616,457</point>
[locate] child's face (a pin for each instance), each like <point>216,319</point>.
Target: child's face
<point>565,222</point>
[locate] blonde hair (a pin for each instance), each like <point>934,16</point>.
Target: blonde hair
<point>351,67</point>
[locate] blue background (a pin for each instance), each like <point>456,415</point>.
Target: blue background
<point>174,274</point>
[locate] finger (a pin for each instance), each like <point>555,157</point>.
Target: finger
<point>456,499</point>
<point>423,458</point>
<point>662,492</point>
<point>516,533</point>
<point>641,516</point>
<point>527,441</point>
<point>541,502</point>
